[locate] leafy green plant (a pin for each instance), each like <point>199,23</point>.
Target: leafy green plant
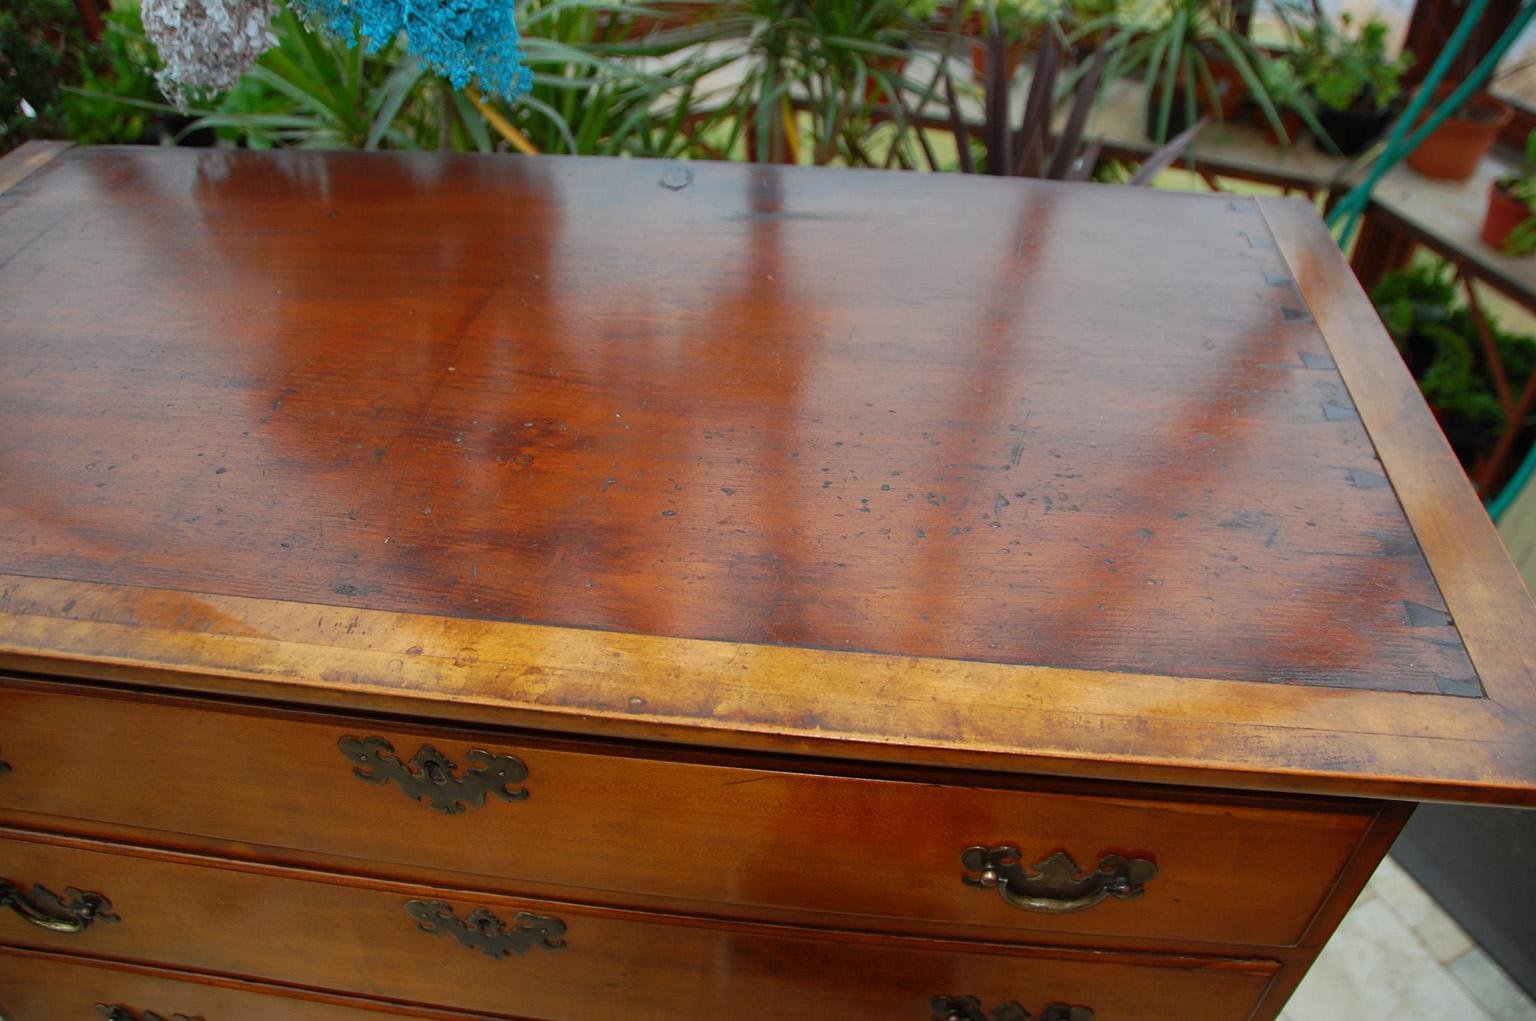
<point>591,96</point>
<point>1289,92</point>
<point>314,91</point>
<point>1039,150</point>
<point>1521,186</point>
<point>1015,20</point>
<point>1175,45</point>
<point>95,113</point>
<point>1438,338</point>
<point>835,59</point>
<point>1347,70</point>
<point>42,43</point>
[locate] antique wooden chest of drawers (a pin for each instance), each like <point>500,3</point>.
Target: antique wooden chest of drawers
<point>450,587</point>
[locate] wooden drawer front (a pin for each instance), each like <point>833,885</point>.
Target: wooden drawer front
<point>328,931</point>
<point>42,986</point>
<point>694,836</point>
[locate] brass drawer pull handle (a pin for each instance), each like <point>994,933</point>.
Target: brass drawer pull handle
<point>968,1008</point>
<point>74,912</point>
<point>484,932</point>
<point>1055,885</point>
<point>116,1013</point>
<point>430,774</point>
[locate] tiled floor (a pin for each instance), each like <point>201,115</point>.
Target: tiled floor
<point>1399,957</point>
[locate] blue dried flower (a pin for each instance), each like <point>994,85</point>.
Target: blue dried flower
<point>459,39</point>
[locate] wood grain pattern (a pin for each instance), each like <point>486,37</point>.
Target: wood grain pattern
<point>611,824</point>
<point>26,158</point>
<point>767,698</point>
<point>1486,597</point>
<point>1016,423</point>
<point>39,985</point>
<point>453,322</point>
<point>340,933</point>
<point>1349,887</point>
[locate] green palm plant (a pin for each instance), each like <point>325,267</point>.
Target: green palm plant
<point>94,113</point>
<point>308,91</point>
<point>1173,46</point>
<point>313,91</point>
<point>598,89</point>
<point>835,61</point>
<point>1037,148</point>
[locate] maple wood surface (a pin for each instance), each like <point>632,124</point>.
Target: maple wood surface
<point>334,932</point>
<point>329,427</point>
<point>894,413</point>
<point>699,837</point>
<point>44,986</point>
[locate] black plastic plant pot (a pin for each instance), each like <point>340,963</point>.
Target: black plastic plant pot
<point>1352,131</point>
<point>1178,118</point>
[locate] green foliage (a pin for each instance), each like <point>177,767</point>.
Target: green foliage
<point>315,92</point>
<point>1522,188</point>
<point>811,81</point>
<point>1017,20</point>
<point>1522,239</point>
<point>590,96</point>
<point>840,56</point>
<point>41,44</point>
<point>1289,92</point>
<point>122,68</point>
<point>1347,71</point>
<point>1284,85</point>
<point>1173,45</point>
<point>1438,338</point>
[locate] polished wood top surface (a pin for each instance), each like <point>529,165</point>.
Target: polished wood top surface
<point>990,472</point>
<point>1009,422</point>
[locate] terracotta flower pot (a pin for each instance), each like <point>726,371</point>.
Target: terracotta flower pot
<point>874,89</point>
<point>1230,87</point>
<point>663,16</point>
<point>1231,90</point>
<point>1290,120</point>
<point>1505,213</point>
<point>1453,151</point>
<point>1014,58</point>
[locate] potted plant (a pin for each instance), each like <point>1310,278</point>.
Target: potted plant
<point>1297,108</point>
<point>1510,223</point>
<point>1193,57</point>
<point>1438,338</point>
<point>1352,79</point>
<point>827,52</point>
<point>118,100</point>
<point>1038,149</point>
<point>1019,27</point>
<point>41,45</point>
<point>1454,149</point>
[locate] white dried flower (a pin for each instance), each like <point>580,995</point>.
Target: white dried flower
<point>206,44</point>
